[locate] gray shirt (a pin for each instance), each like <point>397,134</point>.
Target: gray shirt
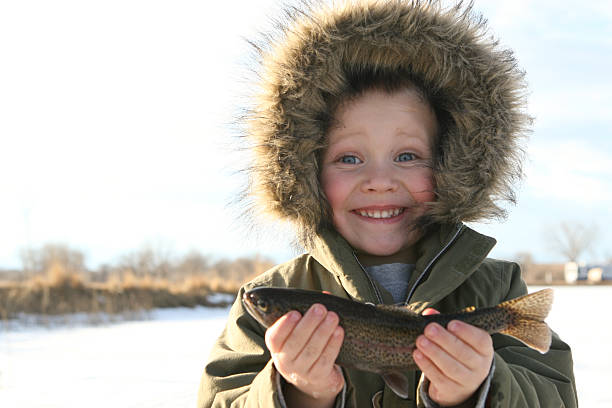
<point>393,277</point>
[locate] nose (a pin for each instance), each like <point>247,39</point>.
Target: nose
<point>379,178</point>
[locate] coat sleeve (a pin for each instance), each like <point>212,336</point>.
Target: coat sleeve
<point>526,378</point>
<point>239,372</point>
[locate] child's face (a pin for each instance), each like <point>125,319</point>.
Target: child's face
<point>376,171</point>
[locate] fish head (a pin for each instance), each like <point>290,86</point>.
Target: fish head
<point>262,307</point>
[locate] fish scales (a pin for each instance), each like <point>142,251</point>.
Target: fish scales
<point>381,338</point>
<point>387,343</point>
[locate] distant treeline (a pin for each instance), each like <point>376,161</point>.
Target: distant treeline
<point>54,281</point>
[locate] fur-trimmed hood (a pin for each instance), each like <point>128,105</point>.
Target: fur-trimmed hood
<point>448,49</point>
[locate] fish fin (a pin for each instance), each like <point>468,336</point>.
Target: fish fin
<point>398,383</point>
<point>528,313</point>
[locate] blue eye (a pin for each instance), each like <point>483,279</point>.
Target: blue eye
<point>348,159</point>
<point>404,157</point>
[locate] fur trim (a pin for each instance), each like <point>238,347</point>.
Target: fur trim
<point>450,51</point>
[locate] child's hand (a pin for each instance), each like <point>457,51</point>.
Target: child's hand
<point>455,360</point>
<point>304,351</point>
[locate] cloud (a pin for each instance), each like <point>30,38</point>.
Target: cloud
<point>551,18</point>
<point>570,103</point>
<point>570,171</point>
<point>566,50</point>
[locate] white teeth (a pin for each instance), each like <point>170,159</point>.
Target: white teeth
<point>381,214</point>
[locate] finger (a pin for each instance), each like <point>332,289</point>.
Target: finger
<point>432,372</point>
<point>277,334</point>
<point>325,362</point>
<point>304,329</point>
<point>455,346</point>
<point>479,340</point>
<point>446,363</point>
<point>430,311</point>
<point>442,389</point>
<point>317,341</point>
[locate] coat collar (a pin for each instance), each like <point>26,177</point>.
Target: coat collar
<point>461,256</point>
<point>335,254</point>
<point>447,256</point>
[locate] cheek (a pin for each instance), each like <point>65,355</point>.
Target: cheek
<point>335,190</point>
<point>422,188</point>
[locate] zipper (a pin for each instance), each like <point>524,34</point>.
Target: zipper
<point>421,276</point>
<point>430,264</point>
<point>378,295</point>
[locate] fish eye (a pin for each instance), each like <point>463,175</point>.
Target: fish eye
<point>262,304</point>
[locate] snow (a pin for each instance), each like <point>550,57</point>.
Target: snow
<point>158,362</point>
<point>579,317</point>
<point>153,363</point>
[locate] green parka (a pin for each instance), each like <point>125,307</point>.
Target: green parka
<point>452,272</point>
<point>320,48</point>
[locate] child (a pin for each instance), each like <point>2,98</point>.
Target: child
<point>380,128</point>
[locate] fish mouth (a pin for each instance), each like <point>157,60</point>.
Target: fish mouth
<point>249,300</point>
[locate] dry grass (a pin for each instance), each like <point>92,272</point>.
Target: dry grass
<point>59,292</point>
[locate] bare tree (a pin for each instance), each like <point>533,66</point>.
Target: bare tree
<point>193,263</point>
<point>243,268</point>
<point>39,260</point>
<point>525,260</point>
<point>571,240</point>
<point>150,260</point>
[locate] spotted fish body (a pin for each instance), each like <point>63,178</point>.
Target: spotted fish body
<point>381,338</point>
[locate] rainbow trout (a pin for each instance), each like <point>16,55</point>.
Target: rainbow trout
<point>381,338</point>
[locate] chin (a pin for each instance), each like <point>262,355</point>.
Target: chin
<point>390,248</point>
<point>383,251</point>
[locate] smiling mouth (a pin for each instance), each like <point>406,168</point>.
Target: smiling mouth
<point>380,214</point>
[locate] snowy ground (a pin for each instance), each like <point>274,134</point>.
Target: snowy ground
<point>158,362</point>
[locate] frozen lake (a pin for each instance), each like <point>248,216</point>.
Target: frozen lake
<point>158,362</point>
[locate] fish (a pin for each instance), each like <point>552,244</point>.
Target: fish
<point>381,338</point>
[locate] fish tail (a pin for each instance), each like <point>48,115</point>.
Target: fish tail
<point>528,313</point>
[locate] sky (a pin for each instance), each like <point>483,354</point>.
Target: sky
<point>116,126</point>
